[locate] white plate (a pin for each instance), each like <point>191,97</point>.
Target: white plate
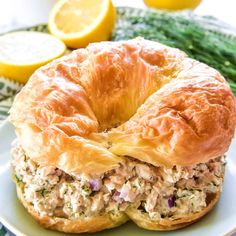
<point>221,221</point>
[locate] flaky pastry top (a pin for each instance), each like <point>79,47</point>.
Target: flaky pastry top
<point>87,111</point>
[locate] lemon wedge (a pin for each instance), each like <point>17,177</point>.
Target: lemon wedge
<point>21,53</point>
<point>80,22</point>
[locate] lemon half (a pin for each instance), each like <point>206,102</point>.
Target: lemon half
<point>21,53</point>
<point>80,22</point>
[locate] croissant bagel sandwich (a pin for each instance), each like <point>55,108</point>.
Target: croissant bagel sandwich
<point>129,130</point>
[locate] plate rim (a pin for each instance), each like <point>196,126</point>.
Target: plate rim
<point>10,227</point>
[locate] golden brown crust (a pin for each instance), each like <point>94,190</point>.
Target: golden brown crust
<point>90,224</point>
<point>143,220</point>
<point>169,109</point>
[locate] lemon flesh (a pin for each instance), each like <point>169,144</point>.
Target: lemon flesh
<point>21,53</point>
<point>80,22</point>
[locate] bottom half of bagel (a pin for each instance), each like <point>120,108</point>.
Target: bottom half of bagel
<point>155,198</point>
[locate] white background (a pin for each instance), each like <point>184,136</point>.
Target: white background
<point>18,13</point>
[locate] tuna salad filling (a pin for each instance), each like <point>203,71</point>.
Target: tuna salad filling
<point>157,191</point>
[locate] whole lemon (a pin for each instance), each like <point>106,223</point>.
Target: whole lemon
<point>173,4</point>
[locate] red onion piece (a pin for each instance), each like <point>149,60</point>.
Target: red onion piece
<point>171,201</point>
<point>95,184</point>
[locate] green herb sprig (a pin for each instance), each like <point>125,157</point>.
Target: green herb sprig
<point>183,31</point>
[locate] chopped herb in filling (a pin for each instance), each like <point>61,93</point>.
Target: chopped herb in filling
<point>157,191</point>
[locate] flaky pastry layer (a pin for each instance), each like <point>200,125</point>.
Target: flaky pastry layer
<point>85,112</point>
